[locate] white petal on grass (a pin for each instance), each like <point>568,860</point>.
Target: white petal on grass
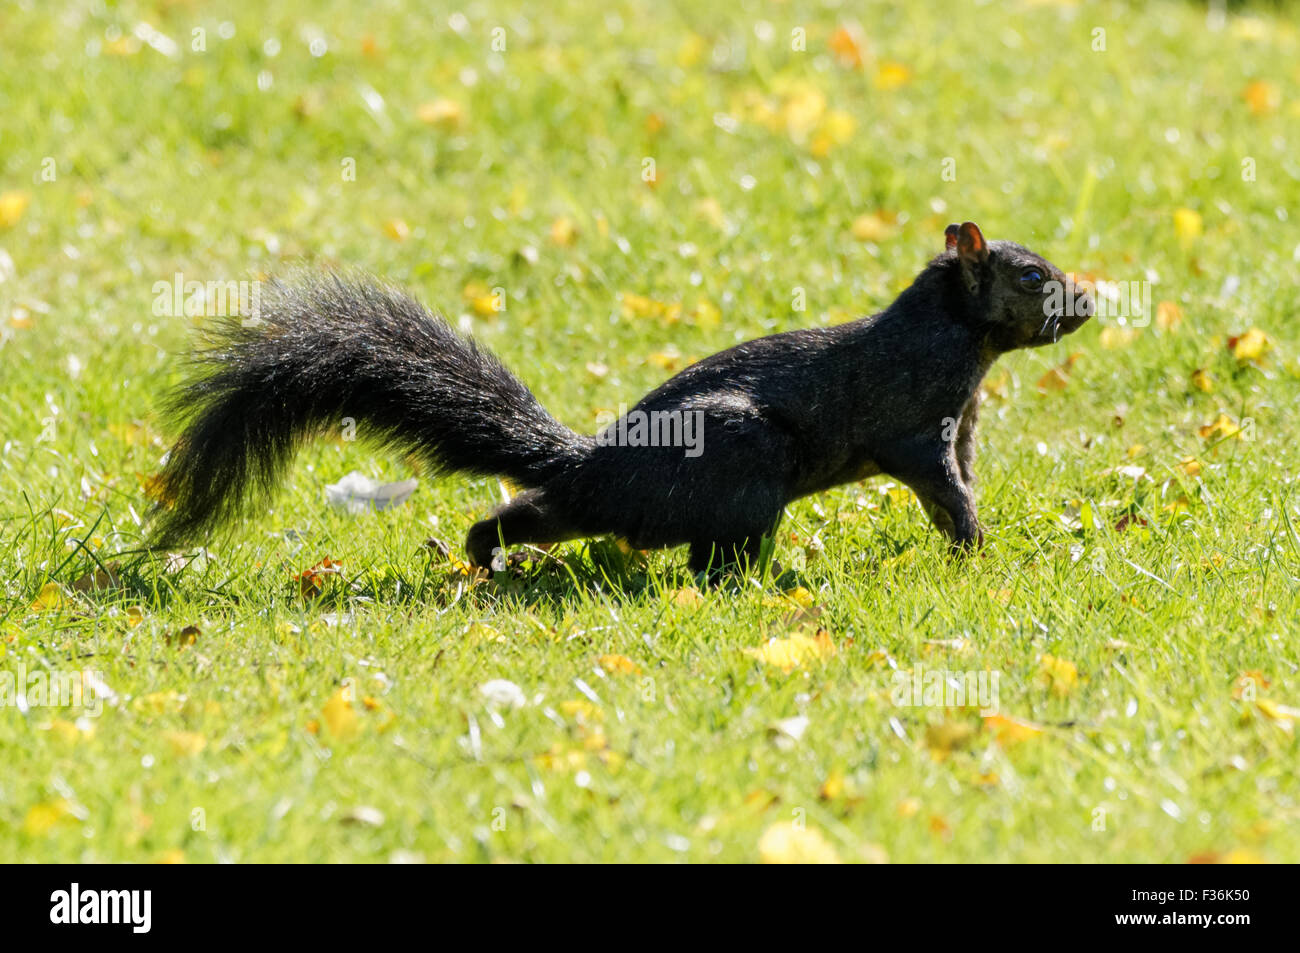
<point>357,493</point>
<point>502,693</point>
<point>364,815</point>
<point>159,41</point>
<point>787,732</point>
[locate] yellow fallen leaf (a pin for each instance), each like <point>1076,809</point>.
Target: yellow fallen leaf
<point>1057,674</point>
<point>484,301</point>
<point>786,843</point>
<point>687,597</point>
<point>874,227</point>
<point>799,649</point>
<point>905,558</point>
<point>705,314</point>
<point>1237,855</point>
<point>836,129</point>
<point>580,709</point>
<point>1284,716</point>
<point>1008,730</point>
<point>42,818</point>
<point>801,110</point>
<point>897,494</point>
<point>1262,97</point>
<point>1168,315</point>
<point>12,206</point>
<point>185,743</point>
<point>1188,225</point>
<point>892,76</point>
<point>1113,339</point>
<point>618,665</point>
<point>563,231</point>
<point>1222,428</point>
<point>128,44</point>
<point>668,360</point>
<point>480,632</point>
<point>1248,684</point>
<point>710,210</point>
<point>173,855</point>
<point>446,113</point>
<point>691,50</point>
<point>397,229</point>
<point>1250,346</point>
<point>71,732</point>
<point>158,703</point>
<point>339,714</point>
<point>833,787</point>
<point>50,597</point>
<point>1242,855</point>
<point>799,596</point>
<point>1203,380</point>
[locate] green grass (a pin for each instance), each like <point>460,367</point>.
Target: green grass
<point>168,164</point>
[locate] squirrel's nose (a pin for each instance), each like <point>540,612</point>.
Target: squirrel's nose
<point>1083,301</point>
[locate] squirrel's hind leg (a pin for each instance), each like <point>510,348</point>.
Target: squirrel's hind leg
<point>716,558</point>
<point>525,519</point>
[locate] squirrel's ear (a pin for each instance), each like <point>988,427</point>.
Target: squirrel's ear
<point>973,253</point>
<point>950,235</point>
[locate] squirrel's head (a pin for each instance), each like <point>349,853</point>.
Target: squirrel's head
<point>1024,299</point>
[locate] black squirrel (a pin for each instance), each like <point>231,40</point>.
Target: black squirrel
<point>780,417</point>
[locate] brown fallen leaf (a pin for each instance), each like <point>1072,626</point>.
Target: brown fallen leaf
<point>185,637</point>
<point>847,47</point>
<point>311,582</point>
<point>1058,378</point>
<point>100,579</point>
<point>945,737</point>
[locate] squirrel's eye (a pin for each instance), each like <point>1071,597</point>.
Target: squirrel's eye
<point>1031,279</point>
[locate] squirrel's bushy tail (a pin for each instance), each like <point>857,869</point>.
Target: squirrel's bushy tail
<point>329,348</point>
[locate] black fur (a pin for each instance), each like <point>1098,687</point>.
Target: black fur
<point>783,416</point>
<point>331,348</point>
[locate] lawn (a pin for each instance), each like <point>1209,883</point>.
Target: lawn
<point>603,193</point>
